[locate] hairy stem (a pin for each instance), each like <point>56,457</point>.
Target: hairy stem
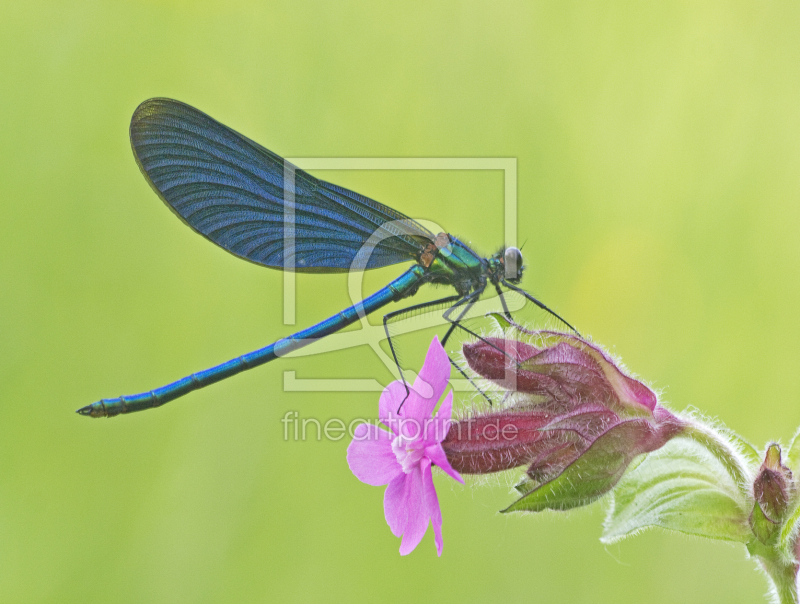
<point>733,461</point>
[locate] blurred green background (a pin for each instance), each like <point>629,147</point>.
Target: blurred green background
<point>659,193</point>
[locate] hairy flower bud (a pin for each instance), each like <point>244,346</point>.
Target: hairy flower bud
<point>771,490</point>
<point>572,416</point>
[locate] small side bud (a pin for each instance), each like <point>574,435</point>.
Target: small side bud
<point>771,490</point>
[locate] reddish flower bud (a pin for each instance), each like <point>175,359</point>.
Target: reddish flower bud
<point>568,401</point>
<point>771,489</point>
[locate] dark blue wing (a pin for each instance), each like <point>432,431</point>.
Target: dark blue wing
<point>231,190</point>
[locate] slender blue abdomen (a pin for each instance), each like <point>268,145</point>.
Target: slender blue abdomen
<point>403,286</point>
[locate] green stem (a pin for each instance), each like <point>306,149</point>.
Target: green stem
<point>714,443</point>
<point>783,578</point>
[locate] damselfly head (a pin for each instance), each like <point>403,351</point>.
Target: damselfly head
<point>512,259</point>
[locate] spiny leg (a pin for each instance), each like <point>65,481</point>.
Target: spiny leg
<point>539,304</point>
<point>398,314</point>
<point>468,300</point>
<point>469,379</point>
<point>499,291</point>
<point>405,311</point>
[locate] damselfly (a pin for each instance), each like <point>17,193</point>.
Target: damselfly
<point>236,193</point>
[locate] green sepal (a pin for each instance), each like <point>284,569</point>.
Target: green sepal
<point>763,528</point>
<point>756,548</point>
<point>680,488</point>
<point>588,478</point>
<point>525,486</point>
<point>502,320</point>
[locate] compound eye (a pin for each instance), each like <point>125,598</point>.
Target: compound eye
<point>512,259</point>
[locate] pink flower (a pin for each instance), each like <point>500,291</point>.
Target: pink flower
<point>572,416</point>
<point>402,456</point>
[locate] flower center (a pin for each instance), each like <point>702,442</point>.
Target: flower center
<point>408,451</point>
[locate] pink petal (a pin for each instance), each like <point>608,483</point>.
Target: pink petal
<point>370,456</point>
<point>394,505</point>
<point>437,456</point>
<point>445,411</point>
<point>391,399</point>
<point>417,520</point>
<point>430,383</point>
<point>436,429</point>
<point>432,509</point>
